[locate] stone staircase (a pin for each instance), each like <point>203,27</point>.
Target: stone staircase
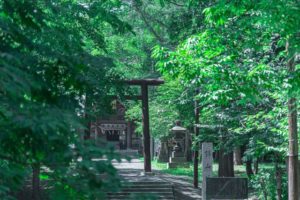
<point>144,190</point>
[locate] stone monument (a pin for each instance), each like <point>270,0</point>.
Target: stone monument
<point>178,157</point>
<point>207,161</point>
<point>163,155</point>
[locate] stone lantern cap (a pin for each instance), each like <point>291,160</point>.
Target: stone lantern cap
<point>177,128</point>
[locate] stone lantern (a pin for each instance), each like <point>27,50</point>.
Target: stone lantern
<point>178,156</point>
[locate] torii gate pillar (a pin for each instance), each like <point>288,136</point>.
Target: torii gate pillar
<point>144,83</point>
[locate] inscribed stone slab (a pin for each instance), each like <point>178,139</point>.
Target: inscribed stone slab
<point>207,160</point>
<point>226,188</point>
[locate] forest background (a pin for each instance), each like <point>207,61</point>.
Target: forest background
<point>61,61</point>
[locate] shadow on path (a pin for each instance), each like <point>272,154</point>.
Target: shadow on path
<point>133,171</point>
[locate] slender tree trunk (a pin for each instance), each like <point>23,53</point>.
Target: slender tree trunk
<point>88,123</point>
<point>189,149</point>
<point>87,131</point>
<point>238,156</point>
<point>278,181</point>
<point>263,185</point>
<point>217,155</point>
<point>36,182</point>
<point>230,164</point>
<point>196,153</point>
<point>256,162</point>
<point>249,170</point>
<point>293,143</point>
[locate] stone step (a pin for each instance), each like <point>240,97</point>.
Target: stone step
<point>146,183</point>
<point>124,195</point>
<point>133,197</point>
<point>142,192</point>
<point>148,186</point>
<point>143,189</point>
<point>146,189</point>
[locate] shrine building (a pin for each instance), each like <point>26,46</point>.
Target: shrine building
<point>117,131</point>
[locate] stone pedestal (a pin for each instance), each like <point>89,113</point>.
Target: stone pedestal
<point>163,155</point>
<point>178,158</point>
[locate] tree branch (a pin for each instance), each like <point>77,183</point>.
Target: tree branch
<point>144,18</point>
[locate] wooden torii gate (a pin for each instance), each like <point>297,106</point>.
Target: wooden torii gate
<point>144,83</point>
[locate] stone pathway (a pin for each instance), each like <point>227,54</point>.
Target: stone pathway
<point>184,190</point>
<point>133,171</point>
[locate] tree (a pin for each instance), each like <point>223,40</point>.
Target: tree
<point>233,71</point>
<point>50,55</point>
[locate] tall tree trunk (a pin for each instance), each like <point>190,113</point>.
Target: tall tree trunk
<point>293,143</point>
<point>249,170</point>
<point>217,156</point>
<point>278,181</point>
<point>230,164</point>
<point>87,131</point>
<point>263,185</point>
<point>196,153</point>
<point>36,182</point>
<point>226,167</point>
<point>188,148</point>
<point>238,156</point>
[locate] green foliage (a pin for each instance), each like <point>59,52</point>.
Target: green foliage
<point>50,78</point>
<point>239,78</point>
<point>176,171</point>
<point>239,61</point>
<point>12,175</point>
<point>60,61</point>
<point>264,183</point>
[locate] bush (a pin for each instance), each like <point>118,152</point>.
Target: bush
<point>264,183</point>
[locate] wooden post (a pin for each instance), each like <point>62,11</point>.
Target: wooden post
<point>144,83</point>
<point>146,130</point>
<point>196,152</point>
<point>293,142</point>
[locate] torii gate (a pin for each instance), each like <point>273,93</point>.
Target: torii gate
<point>144,83</point>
